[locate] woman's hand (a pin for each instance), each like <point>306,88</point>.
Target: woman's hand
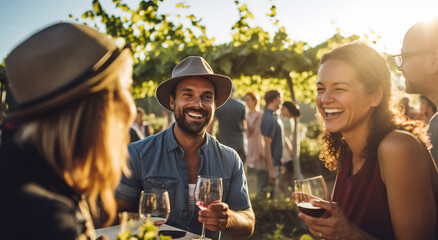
<point>333,224</point>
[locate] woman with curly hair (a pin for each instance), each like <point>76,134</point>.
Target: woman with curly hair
<point>387,182</point>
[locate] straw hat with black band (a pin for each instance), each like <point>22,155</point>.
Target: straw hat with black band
<point>58,65</point>
<point>194,66</point>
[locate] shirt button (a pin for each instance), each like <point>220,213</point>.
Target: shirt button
<point>184,210</point>
<point>184,167</point>
<point>162,186</point>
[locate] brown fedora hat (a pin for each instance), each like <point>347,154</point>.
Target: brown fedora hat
<point>194,66</point>
<point>59,64</point>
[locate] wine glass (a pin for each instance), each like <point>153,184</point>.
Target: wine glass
<point>307,189</point>
<point>154,205</point>
<point>208,190</point>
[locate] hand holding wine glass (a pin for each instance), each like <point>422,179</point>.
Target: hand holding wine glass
<point>154,205</point>
<point>208,190</point>
<point>308,189</point>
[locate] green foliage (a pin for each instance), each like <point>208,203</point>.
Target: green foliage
<point>2,74</point>
<point>276,218</point>
<point>160,42</point>
<point>147,231</point>
<point>309,156</point>
<point>313,129</point>
<point>306,237</point>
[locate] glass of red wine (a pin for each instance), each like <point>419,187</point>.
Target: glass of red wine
<point>208,190</point>
<point>307,189</point>
<point>154,205</point>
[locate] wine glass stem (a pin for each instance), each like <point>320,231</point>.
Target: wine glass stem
<point>203,231</point>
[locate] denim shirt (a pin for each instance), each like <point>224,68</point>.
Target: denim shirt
<point>158,162</point>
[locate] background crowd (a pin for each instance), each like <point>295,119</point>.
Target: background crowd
<point>71,134</point>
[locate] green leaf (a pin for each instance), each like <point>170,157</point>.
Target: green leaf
<point>226,65</point>
<point>96,6</point>
<point>243,8</point>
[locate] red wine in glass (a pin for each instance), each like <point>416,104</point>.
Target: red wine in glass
<point>308,189</point>
<point>308,209</point>
<point>203,205</point>
<point>207,191</point>
<point>158,223</point>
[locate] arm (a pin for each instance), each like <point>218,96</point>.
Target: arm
<point>288,145</point>
<point>219,217</point>
<point>269,160</point>
<point>333,224</point>
<point>234,215</point>
<point>405,171</point>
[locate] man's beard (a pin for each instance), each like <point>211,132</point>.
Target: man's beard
<point>192,128</point>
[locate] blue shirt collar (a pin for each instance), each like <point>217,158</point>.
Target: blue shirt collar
<point>172,144</point>
<point>269,110</point>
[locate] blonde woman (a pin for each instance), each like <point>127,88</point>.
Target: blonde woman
<point>256,154</point>
<point>72,85</point>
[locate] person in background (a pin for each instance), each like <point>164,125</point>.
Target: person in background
<point>232,124</point>
<point>427,109</point>
<point>172,159</point>
<point>135,134</point>
<point>256,147</point>
<point>8,127</point>
<point>418,63</point>
<point>407,110</point>
<point>145,129</point>
<point>289,112</point>
<point>272,131</point>
<point>72,86</point>
<point>382,163</point>
<point>168,118</point>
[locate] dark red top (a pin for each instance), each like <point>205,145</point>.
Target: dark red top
<point>363,198</point>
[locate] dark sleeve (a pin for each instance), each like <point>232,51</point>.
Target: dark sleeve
<point>267,127</point>
<point>135,134</point>
<point>243,113</point>
<point>35,213</point>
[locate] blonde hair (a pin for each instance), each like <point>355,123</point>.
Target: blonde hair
<point>86,141</point>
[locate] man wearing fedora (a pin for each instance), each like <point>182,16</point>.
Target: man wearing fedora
<point>173,159</point>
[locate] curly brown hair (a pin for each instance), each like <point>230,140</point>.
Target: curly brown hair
<point>372,71</point>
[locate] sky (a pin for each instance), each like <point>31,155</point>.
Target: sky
<point>311,21</point>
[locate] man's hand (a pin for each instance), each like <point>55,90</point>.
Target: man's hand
<point>216,217</point>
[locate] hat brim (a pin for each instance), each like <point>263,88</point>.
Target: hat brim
<point>65,95</point>
<point>221,83</point>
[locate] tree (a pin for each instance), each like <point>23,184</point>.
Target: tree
<point>253,59</point>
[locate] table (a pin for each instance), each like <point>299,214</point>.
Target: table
<point>111,232</point>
